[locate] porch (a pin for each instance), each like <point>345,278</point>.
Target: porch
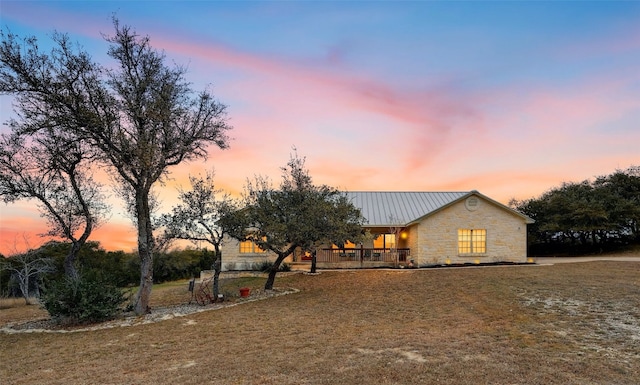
<point>362,257</point>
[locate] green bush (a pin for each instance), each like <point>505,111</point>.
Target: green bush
<point>265,266</point>
<point>89,299</point>
<point>285,267</point>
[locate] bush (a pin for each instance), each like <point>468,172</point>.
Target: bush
<point>265,266</point>
<point>285,267</point>
<point>89,299</point>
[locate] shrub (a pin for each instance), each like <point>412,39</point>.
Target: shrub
<point>265,266</point>
<point>90,298</point>
<point>285,267</point>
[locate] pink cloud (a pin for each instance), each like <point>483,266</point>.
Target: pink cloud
<point>297,104</point>
<point>365,133</point>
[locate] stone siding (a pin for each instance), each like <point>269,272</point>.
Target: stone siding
<point>434,239</point>
<point>437,235</point>
<point>232,259</point>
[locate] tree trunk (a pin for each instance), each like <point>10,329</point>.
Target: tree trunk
<point>145,252</point>
<point>24,287</point>
<point>313,262</point>
<point>70,261</point>
<point>274,269</point>
<point>217,267</point>
<point>146,283</point>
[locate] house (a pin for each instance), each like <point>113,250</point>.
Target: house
<point>416,228</point>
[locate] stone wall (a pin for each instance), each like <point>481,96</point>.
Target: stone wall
<point>437,235</point>
<point>232,259</point>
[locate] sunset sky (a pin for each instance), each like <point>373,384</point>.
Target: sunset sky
<point>509,98</point>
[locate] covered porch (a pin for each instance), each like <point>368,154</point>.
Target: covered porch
<point>362,257</point>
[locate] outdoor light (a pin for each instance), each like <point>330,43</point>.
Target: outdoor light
<point>403,235</point>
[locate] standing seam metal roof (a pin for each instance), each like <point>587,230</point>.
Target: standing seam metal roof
<point>385,208</point>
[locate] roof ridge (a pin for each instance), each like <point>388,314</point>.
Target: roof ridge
<point>406,191</point>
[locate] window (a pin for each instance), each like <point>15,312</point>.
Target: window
<point>472,241</point>
<point>249,247</point>
<point>385,241</point>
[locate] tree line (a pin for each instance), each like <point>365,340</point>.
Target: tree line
<point>25,273</point>
<point>591,216</point>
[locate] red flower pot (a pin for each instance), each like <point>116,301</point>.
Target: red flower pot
<point>244,291</point>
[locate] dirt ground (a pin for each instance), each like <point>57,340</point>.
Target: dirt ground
<point>573,323</point>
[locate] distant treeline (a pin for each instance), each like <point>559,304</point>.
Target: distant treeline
<point>123,269</point>
<point>586,217</point>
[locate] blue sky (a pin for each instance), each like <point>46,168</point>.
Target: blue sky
<point>510,98</point>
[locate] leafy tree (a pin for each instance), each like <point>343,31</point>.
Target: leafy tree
<point>140,115</point>
<point>51,167</point>
<point>586,216</point>
<point>93,259</point>
<point>197,218</point>
<point>578,212</point>
<point>621,193</point>
<point>299,214</point>
<point>177,264</point>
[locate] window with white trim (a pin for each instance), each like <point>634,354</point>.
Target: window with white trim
<point>472,241</point>
<point>250,247</point>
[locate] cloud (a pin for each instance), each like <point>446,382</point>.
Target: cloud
<point>421,133</point>
<point>509,126</point>
<point>292,103</point>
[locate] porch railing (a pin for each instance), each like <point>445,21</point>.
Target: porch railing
<point>363,255</point>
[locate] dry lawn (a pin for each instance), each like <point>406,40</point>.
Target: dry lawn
<point>562,324</point>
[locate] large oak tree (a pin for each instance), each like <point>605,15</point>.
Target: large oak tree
<point>297,215</point>
<point>588,216</point>
<point>140,115</point>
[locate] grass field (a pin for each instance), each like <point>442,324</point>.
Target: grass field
<point>573,323</point>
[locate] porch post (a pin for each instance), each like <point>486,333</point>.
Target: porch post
<point>313,261</point>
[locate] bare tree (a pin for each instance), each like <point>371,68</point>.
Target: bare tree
<point>197,218</point>
<point>50,167</point>
<point>27,267</point>
<point>141,116</point>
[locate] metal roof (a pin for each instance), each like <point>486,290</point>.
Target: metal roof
<point>388,208</point>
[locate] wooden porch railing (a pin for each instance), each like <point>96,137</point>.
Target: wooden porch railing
<point>363,255</point>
